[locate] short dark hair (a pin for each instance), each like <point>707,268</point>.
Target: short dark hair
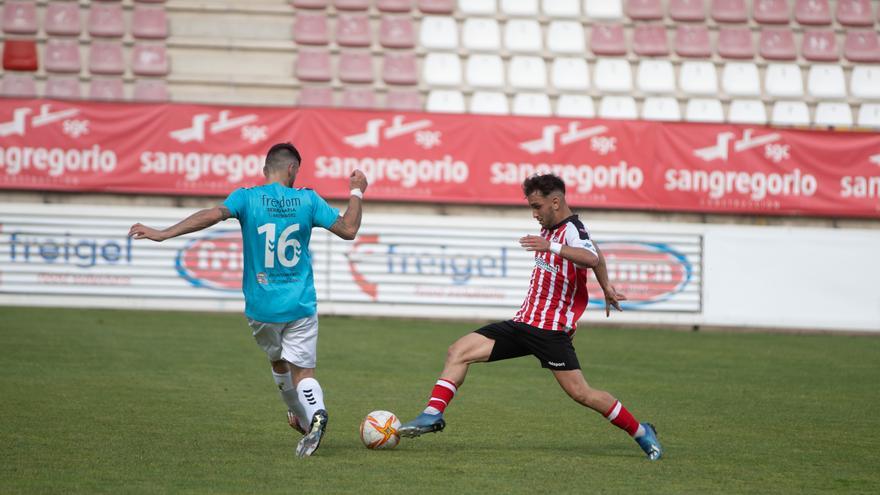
<point>546,184</point>
<point>280,156</point>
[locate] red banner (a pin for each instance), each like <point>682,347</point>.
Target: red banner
<point>451,158</point>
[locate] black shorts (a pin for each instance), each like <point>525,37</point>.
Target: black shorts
<point>513,339</point>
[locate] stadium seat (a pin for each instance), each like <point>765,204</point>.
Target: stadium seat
<point>315,96</point>
<point>149,60</point>
<point>442,69</point>
<point>310,29</point>
<point>777,44</point>
<point>819,46</point>
<point>399,68</point>
<point>358,98</point>
<point>561,8</point>
<point>608,40</point>
<point>812,12</point>
<point>565,37</point>
<point>106,89</point>
<point>152,90</point>
<point>747,112</point>
<point>862,46</point>
<point>445,101</point>
<point>570,73</point>
<point>864,82</point>
<point>618,107</point>
<point>149,23</point>
<point>604,9</point>
<point>687,10</point>
<point>869,115</point>
<point>62,19</point>
<point>351,4</point>
<point>313,65</point>
<point>577,106</point>
<point>771,12</point>
<point>438,33</point>
<point>394,5</point>
<point>692,41</point>
<point>833,114</point>
<point>661,108</point>
<point>62,88</point>
<point>729,11</point>
<point>655,76</point>
<point>105,57</point>
<point>19,17</point>
<point>106,20</point>
<point>407,100</point>
<point>649,40</point>
<point>523,35</point>
<point>741,79</point>
<point>437,6</point>
<point>62,55</point>
<point>790,113</point>
<point>397,32</point>
<point>18,85</point>
<point>20,55</point>
<point>531,104</point>
<point>854,13</point>
<point>527,72</point>
<point>735,42</point>
<point>481,33</point>
<point>309,4</point>
<point>644,10</point>
<point>783,80</point>
<point>484,71</point>
<point>356,67</point>
<point>489,103</point>
<point>526,8</point>
<point>704,110</point>
<point>353,29</point>
<point>613,75</point>
<point>477,7</point>
<point>826,81</point>
<point>698,78</point>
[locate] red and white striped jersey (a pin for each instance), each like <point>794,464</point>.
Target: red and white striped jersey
<point>557,295</point>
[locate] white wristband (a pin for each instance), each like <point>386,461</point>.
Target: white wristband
<point>556,248</point>
<point>357,192</point>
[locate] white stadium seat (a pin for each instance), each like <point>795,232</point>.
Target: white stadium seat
<point>826,81</point>
<point>747,112</point>
<point>833,114</point>
<point>575,106</point>
<point>438,33</point>
<point>444,100</point>
<point>485,71</point>
<point>481,33</point>
<point>614,75</point>
<point>561,8</point>
<point>566,37</point>
<point>527,72</point>
<point>527,8</point>
<point>442,69</point>
<point>477,7</point>
<point>523,35</point>
<point>790,113</point>
<point>741,79</point>
<point>661,108</point>
<point>532,104</point>
<point>783,80</point>
<point>698,78</point>
<point>704,110</point>
<point>618,107</point>
<point>490,103</point>
<point>569,73</point>
<point>603,9</point>
<point>656,76</point>
<point>864,82</point>
<point>869,115</point>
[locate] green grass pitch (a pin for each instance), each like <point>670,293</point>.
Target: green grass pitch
<point>96,401</point>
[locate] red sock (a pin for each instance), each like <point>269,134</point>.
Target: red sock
<point>442,394</point>
<point>621,418</point>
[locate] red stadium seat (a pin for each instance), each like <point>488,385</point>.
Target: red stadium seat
<point>62,88</point>
<point>735,42</point>
<point>310,29</point>
<point>812,12</point>
<point>62,55</point>
<point>62,19</point>
<point>105,57</point>
<point>309,4</point>
<point>358,98</point>
<point>862,46</point>
<point>608,39</point>
<point>399,68</point>
<point>819,46</point>
<point>649,40</point>
<point>771,11</point>
<point>18,85</point>
<point>149,1</point>
<point>693,41</point>
<point>394,5</point>
<point>403,100</point>
<point>106,20</point>
<point>437,6</point>
<point>315,96</point>
<point>397,32</point>
<point>777,44</point>
<point>313,65</point>
<point>20,55</point>
<point>356,67</point>
<point>687,10</point>
<point>351,4</point>
<point>154,90</point>
<point>106,89</point>
<point>149,60</point>
<point>353,30</point>
<point>729,11</point>
<point>854,13</point>
<point>20,17</point>
<point>149,23</point>
<point>644,10</point>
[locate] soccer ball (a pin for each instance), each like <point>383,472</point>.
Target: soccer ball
<point>379,430</point>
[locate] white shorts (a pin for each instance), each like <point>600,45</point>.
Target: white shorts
<point>295,341</point>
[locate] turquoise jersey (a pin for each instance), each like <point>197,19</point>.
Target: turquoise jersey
<point>276,226</point>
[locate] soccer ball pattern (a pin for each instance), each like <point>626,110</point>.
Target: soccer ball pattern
<point>379,430</point>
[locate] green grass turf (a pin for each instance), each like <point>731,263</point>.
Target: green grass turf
<point>153,402</point>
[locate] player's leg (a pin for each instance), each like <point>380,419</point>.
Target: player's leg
<point>268,337</point>
<point>299,348</point>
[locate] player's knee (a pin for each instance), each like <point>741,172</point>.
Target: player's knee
<point>280,367</point>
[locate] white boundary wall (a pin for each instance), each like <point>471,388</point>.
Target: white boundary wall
<point>450,267</point>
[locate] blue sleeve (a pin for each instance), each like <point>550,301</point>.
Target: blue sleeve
<point>236,202</point>
<point>324,215</point>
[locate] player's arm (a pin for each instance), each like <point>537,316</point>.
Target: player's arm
<point>199,220</point>
<point>612,297</point>
<point>349,223</point>
<point>577,255</point>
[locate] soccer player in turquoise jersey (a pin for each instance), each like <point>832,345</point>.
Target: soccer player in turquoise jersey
<point>280,305</point>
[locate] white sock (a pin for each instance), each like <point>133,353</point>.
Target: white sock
<point>310,396</point>
<point>431,410</point>
<point>640,432</point>
<point>288,394</point>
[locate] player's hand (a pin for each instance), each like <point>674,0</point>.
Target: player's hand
<point>141,231</point>
<point>534,243</point>
<point>613,298</point>
<point>357,180</point>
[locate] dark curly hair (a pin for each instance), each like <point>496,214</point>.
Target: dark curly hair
<point>546,184</point>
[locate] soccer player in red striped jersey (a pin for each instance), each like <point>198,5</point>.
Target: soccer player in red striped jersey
<point>546,321</point>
